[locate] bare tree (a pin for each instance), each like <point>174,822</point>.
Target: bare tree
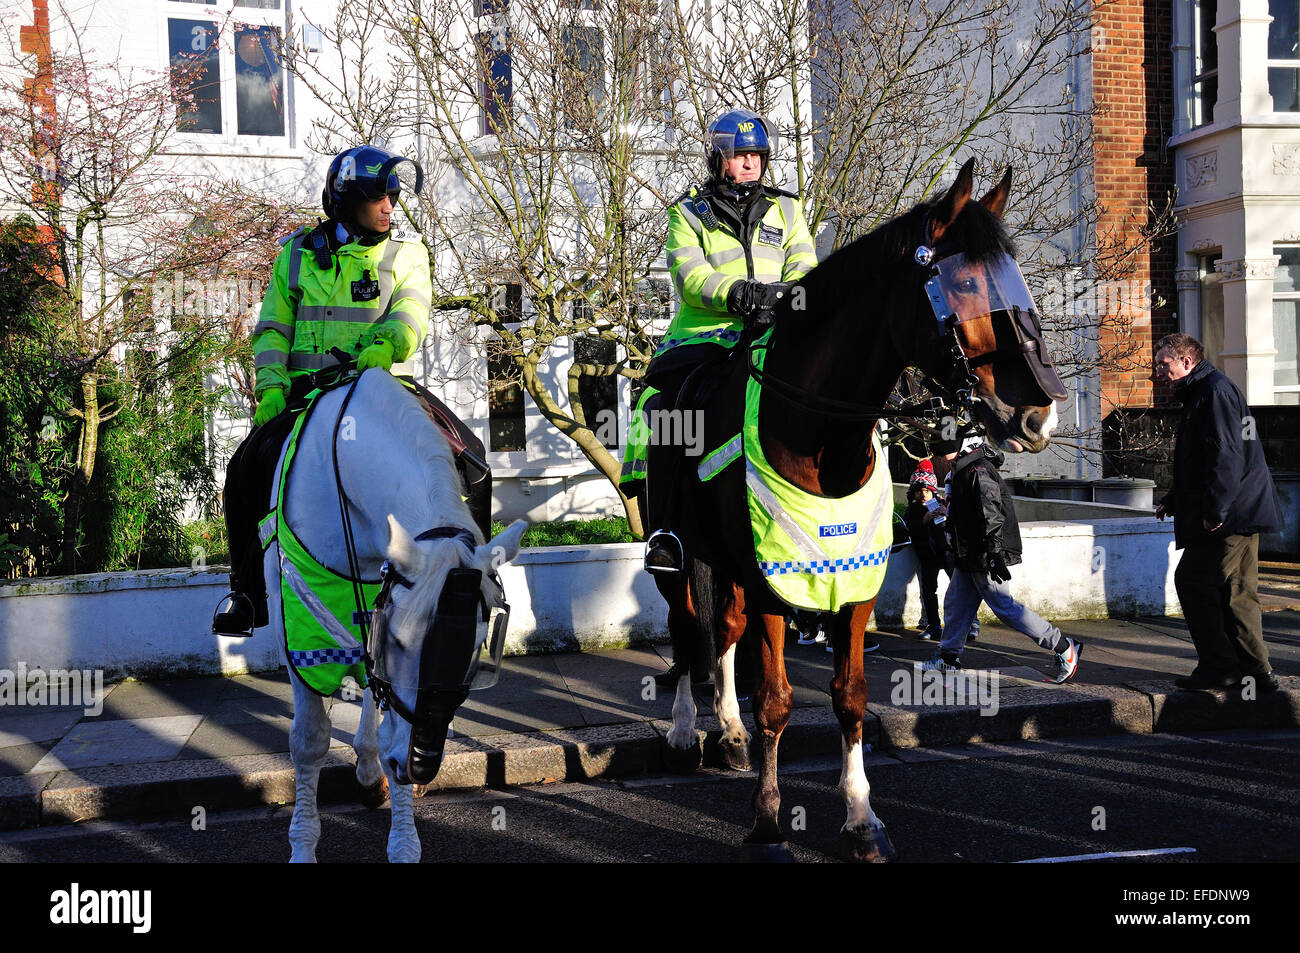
<point>83,151</point>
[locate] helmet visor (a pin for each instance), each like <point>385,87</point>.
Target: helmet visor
<point>750,137</point>
<point>392,177</point>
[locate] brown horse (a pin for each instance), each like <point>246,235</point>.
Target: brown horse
<point>865,316</point>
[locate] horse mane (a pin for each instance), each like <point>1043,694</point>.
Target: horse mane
<point>978,233</point>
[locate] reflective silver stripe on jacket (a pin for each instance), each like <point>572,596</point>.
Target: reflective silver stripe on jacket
<point>266,324</point>
<point>721,458</point>
<point>270,357</point>
<point>295,263</point>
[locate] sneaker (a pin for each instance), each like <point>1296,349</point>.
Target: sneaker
<point>933,634</point>
<point>972,636</point>
<point>1067,662</point>
<point>939,664</point>
<point>814,636</point>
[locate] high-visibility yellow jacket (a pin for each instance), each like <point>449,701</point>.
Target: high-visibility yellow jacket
<point>706,258</point>
<point>370,292</point>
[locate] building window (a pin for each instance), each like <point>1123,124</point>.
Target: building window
<point>506,430</point>
<point>583,85</point>
<point>1210,307</point>
<point>494,79</point>
<point>1205,63</point>
<point>233,73</point>
<point>1284,55</point>
<point>599,395</point>
<point>1286,325</point>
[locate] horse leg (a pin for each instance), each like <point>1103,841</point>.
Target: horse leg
<point>733,746</point>
<point>370,775</point>
<point>403,840</point>
<point>771,713</point>
<point>309,742</point>
<point>683,751</point>
<point>863,837</point>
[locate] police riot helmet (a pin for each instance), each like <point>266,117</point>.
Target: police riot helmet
<point>367,173</point>
<point>738,131</point>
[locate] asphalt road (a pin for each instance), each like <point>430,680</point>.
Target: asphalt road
<point>1229,796</point>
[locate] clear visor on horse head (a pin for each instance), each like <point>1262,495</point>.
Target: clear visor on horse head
<point>459,649</point>
<point>975,289</point>
<point>996,314</point>
<point>728,144</point>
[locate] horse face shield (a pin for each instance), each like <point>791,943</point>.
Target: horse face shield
<point>460,652</point>
<point>988,309</point>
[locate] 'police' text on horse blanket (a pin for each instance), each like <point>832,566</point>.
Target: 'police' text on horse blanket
<point>816,553</point>
<point>322,633</point>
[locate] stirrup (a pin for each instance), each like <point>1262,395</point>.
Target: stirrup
<point>670,546</point>
<point>235,600</point>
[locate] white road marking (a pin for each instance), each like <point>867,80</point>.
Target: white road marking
<point>1110,855</point>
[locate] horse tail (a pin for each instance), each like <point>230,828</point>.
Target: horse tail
<point>704,597</point>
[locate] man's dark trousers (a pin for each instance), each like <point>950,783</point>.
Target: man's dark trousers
<point>1218,586</point>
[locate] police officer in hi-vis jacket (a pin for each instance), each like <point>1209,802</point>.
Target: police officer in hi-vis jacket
<point>355,283</point>
<point>734,245</point>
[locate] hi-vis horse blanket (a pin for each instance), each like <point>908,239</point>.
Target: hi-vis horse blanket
<point>816,553</point>
<point>322,633</point>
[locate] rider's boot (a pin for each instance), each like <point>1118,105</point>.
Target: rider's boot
<point>240,618</point>
<point>664,553</point>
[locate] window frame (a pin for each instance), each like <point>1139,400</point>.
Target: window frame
<point>1201,77</point>
<point>1278,247</point>
<point>1275,63</point>
<point>224,13</point>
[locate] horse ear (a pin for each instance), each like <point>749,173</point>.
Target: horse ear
<point>996,200</point>
<point>402,549</point>
<point>953,201</point>
<point>501,548</point>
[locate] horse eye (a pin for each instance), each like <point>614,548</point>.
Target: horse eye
<point>968,286</point>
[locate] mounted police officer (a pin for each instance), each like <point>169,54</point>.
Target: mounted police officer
<point>352,284</point>
<point>734,247</point>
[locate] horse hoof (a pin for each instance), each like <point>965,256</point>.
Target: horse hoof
<point>865,846</point>
<point>754,853</point>
<point>683,760</point>
<point>419,790</point>
<point>376,794</point>
<point>734,754</point>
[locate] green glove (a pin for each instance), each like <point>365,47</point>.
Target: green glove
<point>270,406</point>
<point>379,354</point>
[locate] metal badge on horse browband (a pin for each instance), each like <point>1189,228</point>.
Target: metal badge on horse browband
<point>1007,305</point>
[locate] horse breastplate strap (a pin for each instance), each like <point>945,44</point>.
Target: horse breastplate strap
<point>322,632</point>
<point>816,553</point>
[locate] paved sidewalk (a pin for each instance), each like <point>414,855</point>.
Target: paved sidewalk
<point>159,748</point>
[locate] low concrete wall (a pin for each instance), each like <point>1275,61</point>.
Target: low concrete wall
<point>151,624</point>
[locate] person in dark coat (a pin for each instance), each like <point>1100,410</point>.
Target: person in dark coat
<point>1221,500</point>
<point>924,518</point>
<point>985,539</point>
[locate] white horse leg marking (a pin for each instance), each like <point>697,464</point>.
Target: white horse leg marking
<point>403,840</point>
<point>725,705</point>
<point>366,743</point>
<point>309,742</point>
<point>855,789</point>
<point>682,735</point>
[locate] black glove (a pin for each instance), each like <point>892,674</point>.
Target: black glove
<point>998,570</point>
<point>741,299</point>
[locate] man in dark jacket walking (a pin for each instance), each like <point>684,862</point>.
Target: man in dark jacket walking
<point>1222,498</point>
<point>985,540</point>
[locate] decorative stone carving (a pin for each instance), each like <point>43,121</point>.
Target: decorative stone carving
<point>1187,278</point>
<point>1286,158</point>
<point>1239,269</point>
<point>1202,169</point>
<point>1205,243</point>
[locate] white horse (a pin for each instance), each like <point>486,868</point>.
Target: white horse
<point>399,476</point>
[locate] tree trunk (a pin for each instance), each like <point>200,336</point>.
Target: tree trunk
<point>87,445</point>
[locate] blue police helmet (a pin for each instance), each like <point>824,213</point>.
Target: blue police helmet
<point>737,131</point>
<point>367,172</point>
